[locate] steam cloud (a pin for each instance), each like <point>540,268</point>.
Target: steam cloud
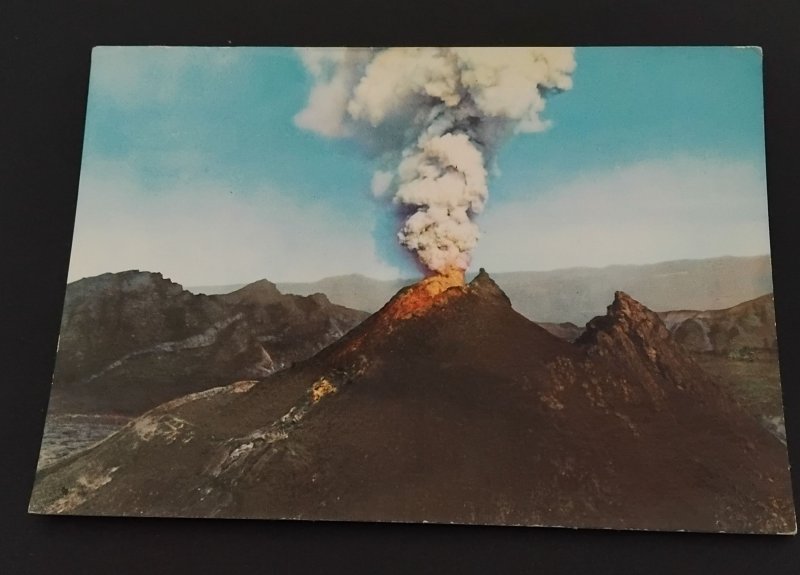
<point>435,117</point>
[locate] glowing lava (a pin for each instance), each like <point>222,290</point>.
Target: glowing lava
<point>418,298</point>
<point>412,301</point>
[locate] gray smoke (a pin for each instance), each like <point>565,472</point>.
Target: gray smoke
<point>436,116</point>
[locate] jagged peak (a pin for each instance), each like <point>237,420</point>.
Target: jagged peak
<point>262,285</point>
<point>632,334</point>
<point>259,291</point>
<point>626,306</point>
<point>319,298</point>
<point>626,314</point>
<point>483,285</point>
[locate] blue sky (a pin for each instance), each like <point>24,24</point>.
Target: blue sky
<point>193,166</point>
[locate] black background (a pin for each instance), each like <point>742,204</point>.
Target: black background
<point>44,66</point>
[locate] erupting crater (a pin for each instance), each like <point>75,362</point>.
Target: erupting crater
<point>412,301</point>
<point>418,298</point>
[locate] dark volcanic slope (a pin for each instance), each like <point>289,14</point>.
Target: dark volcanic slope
<point>132,340</point>
<point>453,408</point>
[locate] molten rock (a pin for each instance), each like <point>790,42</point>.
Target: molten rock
<point>436,284</point>
<point>417,298</point>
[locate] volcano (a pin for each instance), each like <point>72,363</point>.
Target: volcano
<point>448,406</point>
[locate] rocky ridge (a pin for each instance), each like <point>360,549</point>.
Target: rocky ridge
<point>132,340</point>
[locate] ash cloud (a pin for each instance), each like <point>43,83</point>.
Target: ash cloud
<point>435,118</point>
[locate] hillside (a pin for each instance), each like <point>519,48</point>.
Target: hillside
<point>449,406</point>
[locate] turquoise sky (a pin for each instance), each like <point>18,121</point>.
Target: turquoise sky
<point>193,165</point>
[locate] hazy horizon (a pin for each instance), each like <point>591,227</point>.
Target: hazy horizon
<point>190,286</point>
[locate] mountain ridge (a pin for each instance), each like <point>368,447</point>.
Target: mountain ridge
<point>150,322</point>
<point>579,293</point>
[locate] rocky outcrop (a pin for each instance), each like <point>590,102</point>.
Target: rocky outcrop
<point>637,342</point>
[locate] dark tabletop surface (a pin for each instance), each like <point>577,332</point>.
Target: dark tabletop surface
<point>44,66</point>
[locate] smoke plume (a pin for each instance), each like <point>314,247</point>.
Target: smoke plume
<point>435,118</point>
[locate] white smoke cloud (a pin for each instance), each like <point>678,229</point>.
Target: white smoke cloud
<point>437,115</point>
<point>381,182</point>
<point>335,72</point>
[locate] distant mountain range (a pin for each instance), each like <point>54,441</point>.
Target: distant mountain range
<point>447,405</point>
<point>576,295</point>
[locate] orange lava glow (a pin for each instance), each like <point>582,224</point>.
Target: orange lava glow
<point>423,295</point>
<point>415,300</point>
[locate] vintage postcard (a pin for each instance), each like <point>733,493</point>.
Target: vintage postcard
<point>506,286</point>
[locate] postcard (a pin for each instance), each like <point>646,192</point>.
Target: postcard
<point>499,286</point>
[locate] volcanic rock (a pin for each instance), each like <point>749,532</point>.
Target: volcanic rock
<point>455,409</point>
<point>636,341</point>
